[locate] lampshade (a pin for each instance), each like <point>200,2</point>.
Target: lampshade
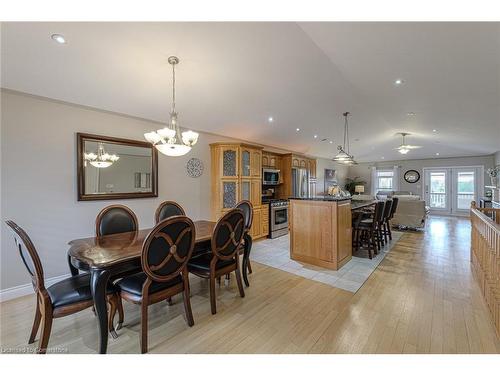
<point>359,189</point>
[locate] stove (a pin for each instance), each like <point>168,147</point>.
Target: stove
<point>278,217</point>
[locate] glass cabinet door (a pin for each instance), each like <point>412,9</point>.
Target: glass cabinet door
<point>245,163</point>
<point>245,190</point>
<point>230,162</point>
<point>229,194</point>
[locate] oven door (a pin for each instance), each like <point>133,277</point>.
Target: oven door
<point>279,218</point>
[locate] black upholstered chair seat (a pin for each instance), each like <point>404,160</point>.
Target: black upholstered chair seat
<point>133,284</point>
<point>72,290</point>
<point>202,263</point>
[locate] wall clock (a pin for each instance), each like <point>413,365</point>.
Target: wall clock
<point>194,167</point>
<point>412,176</point>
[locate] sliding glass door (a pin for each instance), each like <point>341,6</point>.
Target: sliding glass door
<point>451,190</point>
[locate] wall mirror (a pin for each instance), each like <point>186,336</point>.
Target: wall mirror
<point>115,168</point>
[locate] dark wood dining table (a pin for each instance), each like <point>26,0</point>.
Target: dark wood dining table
<point>116,254</point>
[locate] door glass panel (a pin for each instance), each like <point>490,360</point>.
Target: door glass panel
<point>229,194</point>
<point>245,163</point>
<point>229,163</point>
<point>437,193</point>
<point>245,190</point>
<point>465,189</point>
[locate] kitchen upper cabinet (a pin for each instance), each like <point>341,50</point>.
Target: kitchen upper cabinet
<point>270,160</point>
<point>236,175</point>
<point>256,163</point>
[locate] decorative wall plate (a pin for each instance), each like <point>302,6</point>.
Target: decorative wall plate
<point>194,167</point>
<point>412,176</point>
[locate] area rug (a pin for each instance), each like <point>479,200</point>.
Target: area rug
<point>275,253</point>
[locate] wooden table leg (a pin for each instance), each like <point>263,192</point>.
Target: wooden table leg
<point>98,281</point>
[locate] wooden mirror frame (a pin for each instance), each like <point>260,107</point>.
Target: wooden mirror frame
<point>82,137</point>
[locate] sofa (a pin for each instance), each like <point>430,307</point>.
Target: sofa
<point>410,213</point>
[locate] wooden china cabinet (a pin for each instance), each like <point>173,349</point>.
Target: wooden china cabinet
<point>236,176</point>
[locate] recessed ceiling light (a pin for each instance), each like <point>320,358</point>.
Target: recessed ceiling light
<point>297,130</point>
<point>382,157</point>
<point>331,142</point>
<point>434,130</point>
<point>437,153</point>
<point>58,38</point>
<point>315,136</point>
<point>270,119</point>
<point>411,114</point>
<point>398,82</point>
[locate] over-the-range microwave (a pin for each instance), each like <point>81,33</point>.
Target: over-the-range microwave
<point>270,176</point>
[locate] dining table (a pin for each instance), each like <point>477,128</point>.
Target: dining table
<point>107,257</point>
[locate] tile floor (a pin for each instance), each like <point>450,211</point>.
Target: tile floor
<point>275,253</point>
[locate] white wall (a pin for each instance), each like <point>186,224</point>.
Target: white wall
<point>497,158</point>
<point>38,178</point>
<point>39,187</point>
<point>340,171</point>
<point>363,170</point>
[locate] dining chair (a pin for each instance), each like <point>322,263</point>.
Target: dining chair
<point>165,253</point>
<point>167,209</point>
<point>369,229</point>
<point>63,298</point>
<point>224,255</point>
<point>247,208</point>
<point>394,207</point>
<point>115,219</point>
<point>385,217</point>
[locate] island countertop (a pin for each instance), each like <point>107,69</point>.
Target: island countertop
<point>355,204</point>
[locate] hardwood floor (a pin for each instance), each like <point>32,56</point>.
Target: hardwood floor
<point>421,299</point>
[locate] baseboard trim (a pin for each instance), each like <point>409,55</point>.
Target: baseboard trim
<point>26,289</point>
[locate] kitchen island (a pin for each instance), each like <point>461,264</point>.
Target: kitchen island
<point>321,230</point>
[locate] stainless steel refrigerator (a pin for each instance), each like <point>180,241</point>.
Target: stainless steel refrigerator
<point>300,183</point>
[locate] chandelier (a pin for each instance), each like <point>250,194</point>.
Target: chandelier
<point>102,159</point>
<point>169,140</point>
<point>343,156</point>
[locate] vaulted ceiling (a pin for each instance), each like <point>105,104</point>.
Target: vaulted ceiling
<point>233,76</point>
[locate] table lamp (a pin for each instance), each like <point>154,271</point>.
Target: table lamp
<point>359,189</point>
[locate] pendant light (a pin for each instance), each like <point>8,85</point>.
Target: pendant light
<point>169,140</point>
<point>343,156</point>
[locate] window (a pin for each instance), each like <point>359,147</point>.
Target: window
<point>385,180</point>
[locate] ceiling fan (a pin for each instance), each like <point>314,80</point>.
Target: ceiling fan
<point>405,148</point>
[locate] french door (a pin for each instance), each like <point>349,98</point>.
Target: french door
<point>451,190</point>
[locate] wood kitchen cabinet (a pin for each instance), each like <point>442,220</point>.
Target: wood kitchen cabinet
<point>271,160</point>
<point>237,175</point>
<point>321,232</point>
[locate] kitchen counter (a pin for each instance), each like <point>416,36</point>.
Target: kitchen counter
<point>320,231</point>
<point>328,198</point>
